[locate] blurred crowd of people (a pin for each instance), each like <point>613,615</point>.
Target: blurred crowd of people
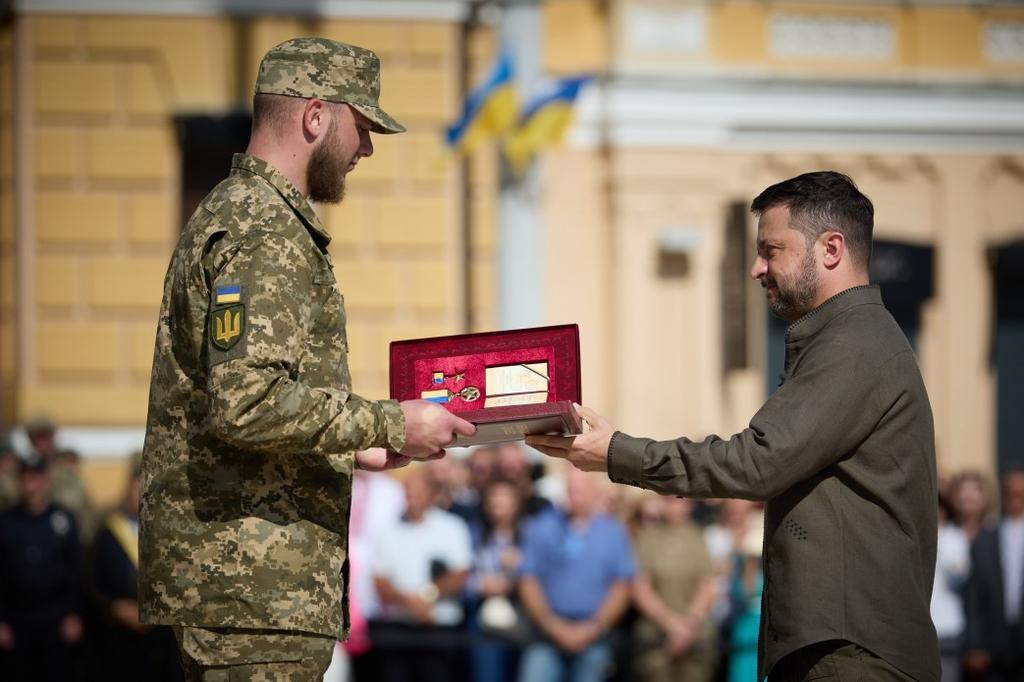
<point>493,566</point>
<point>69,574</point>
<point>496,567</point>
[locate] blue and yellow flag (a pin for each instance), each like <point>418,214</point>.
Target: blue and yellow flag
<point>543,122</point>
<point>490,109</point>
<point>229,294</point>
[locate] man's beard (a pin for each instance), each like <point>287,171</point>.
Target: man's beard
<point>794,299</point>
<point>325,174</point>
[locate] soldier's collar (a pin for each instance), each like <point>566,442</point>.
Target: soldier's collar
<point>288,191</point>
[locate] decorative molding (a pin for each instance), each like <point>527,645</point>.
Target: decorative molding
<point>769,115</point>
<point>681,31</point>
<point>817,36</point>
<point>433,10</point>
<point>1004,41</point>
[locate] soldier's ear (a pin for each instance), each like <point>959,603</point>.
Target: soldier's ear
<point>315,119</point>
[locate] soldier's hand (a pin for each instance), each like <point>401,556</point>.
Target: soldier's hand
<point>429,428</point>
<point>379,459</point>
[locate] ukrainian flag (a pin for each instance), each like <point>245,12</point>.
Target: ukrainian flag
<point>543,122</point>
<point>490,109</point>
<point>228,294</point>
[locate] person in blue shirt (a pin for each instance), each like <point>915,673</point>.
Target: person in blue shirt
<point>577,569</point>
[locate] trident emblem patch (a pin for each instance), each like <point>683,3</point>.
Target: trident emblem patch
<point>228,326</point>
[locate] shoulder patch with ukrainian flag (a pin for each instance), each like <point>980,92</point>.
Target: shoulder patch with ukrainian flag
<point>227,317</point>
<point>231,293</point>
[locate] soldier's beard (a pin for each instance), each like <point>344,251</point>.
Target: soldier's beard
<point>325,174</point>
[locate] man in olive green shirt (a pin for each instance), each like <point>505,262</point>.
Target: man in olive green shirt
<point>843,454</point>
<point>254,429</point>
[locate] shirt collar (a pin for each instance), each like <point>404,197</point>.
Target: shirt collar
<point>246,163</point>
<point>816,320</point>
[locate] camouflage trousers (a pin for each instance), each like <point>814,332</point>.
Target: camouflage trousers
<point>231,655</point>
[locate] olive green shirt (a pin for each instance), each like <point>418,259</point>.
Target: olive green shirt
<point>675,559</point>
<point>248,458</point>
<point>844,454</point>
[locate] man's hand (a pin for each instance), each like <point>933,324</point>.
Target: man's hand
<point>680,634</point>
<point>587,451</point>
<point>977,662</point>
<point>574,637</point>
<point>71,629</point>
<point>126,612</point>
<point>419,608</point>
<point>429,428</point>
<point>379,459</point>
<point>491,584</point>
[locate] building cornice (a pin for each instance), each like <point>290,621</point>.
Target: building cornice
<point>426,10</point>
<point>765,114</point>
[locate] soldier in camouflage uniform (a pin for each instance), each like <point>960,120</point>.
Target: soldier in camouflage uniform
<point>253,429</point>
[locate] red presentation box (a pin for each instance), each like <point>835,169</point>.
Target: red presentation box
<point>511,384</point>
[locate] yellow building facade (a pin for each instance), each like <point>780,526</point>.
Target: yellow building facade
<point>703,105</point>
<point>698,106</point>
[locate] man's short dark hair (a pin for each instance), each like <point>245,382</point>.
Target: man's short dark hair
<point>33,464</point>
<point>271,111</point>
<point>824,201</point>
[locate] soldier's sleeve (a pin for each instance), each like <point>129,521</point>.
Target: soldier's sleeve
<point>260,314</point>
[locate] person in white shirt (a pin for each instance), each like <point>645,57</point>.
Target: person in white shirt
<point>420,566</point>
<point>952,565</point>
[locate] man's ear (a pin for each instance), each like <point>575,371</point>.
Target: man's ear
<point>834,249</point>
<point>315,119</point>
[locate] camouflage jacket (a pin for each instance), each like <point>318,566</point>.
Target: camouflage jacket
<point>247,463</point>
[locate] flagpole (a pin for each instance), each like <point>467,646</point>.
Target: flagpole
<point>520,244</point>
<point>465,203</point>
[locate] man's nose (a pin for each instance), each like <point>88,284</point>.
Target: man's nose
<point>366,145</point>
<point>759,268</point>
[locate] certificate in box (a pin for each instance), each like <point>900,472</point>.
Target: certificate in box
<point>510,384</point>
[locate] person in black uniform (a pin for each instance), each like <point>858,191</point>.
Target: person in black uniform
<point>125,649</point>
<point>40,566</point>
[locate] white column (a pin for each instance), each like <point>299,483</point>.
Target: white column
<point>520,280</point>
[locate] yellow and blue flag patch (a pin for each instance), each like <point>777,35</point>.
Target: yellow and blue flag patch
<point>228,294</point>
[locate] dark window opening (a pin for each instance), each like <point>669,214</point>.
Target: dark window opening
<point>1007,264</point>
<point>207,144</point>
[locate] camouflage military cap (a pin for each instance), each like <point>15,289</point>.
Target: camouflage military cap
<point>40,425</point>
<point>327,70</point>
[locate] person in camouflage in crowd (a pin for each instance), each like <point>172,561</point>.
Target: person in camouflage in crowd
<point>253,429</point>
